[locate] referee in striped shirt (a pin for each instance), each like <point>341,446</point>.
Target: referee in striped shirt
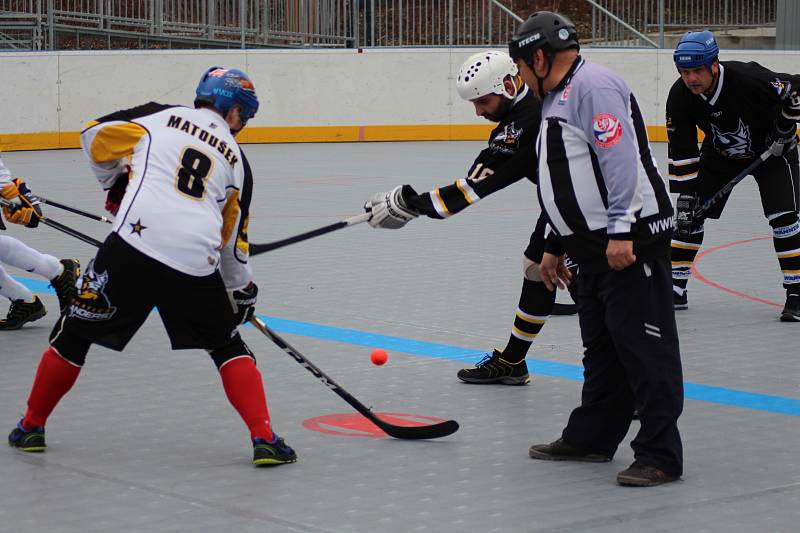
<point>608,208</point>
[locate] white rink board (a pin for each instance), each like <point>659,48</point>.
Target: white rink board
<point>60,91</point>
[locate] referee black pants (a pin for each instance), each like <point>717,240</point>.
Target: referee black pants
<point>631,361</point>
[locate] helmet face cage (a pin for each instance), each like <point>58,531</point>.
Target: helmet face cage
<point>696,49</point>
<point>223,88</point>
<point>484,73</point>
<point>549,31</point>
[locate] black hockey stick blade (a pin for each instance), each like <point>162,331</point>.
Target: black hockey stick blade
<point>433,431</point>
<point>256,249</point>
<point>75,210</point>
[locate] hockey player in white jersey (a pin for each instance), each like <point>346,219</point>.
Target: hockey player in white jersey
<point>180,187</point>
<point>20,206</point>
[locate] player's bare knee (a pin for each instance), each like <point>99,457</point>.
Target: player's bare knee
<point>234,349</point>
<point>530,269</point>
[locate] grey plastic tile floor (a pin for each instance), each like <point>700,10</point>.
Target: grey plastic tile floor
<point>146,441</point>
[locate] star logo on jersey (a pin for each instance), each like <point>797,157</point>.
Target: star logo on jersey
<point>607,130</point>
<point>137,227</point>
<point>733,144</point>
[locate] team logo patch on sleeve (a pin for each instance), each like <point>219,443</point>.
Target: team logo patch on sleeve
<point>607,130</point>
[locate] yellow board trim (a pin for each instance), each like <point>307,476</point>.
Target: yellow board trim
<point>49,140</point>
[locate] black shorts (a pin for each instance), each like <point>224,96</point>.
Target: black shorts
<point>777,179</point>
<point>121,286</point>
<point>535,249</point>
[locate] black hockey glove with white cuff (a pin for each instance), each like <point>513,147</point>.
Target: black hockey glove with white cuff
<point>790,103</point>
<point>781,141</point>
<point>244,302</point>
<point>389,209</point>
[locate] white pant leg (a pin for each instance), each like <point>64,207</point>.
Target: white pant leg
<point>13,289</point>
<point>17,254</point>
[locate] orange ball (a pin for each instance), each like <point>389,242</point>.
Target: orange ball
<point>378,356</point>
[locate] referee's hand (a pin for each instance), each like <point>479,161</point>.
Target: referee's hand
<point>554,272</point>
<point>620,254</point>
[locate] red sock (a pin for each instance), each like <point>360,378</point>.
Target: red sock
<point>245,390</point>
<point>54,377</point>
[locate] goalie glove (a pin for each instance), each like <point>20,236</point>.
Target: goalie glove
<point>20,206</point>
<point>389,209</point>
<point>116,193</point>
<point>244,302</point>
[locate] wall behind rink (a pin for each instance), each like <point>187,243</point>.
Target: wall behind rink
<point>306,95</point>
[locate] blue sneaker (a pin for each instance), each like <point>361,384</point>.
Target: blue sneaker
<point>272,453</point>
<point>28,441</point>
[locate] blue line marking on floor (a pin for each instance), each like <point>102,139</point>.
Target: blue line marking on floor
<point>693,391</point>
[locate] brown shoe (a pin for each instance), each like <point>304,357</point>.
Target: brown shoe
<point>561,451</point>
<point>641,475</point>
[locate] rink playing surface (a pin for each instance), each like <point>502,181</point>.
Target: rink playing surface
<point>146,441</point>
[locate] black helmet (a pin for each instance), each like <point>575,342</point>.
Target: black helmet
<point>546,30</point>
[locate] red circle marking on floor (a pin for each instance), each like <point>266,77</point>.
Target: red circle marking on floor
<point>700,277</point>
<point>355,425</point>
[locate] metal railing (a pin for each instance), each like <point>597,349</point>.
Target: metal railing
<point>645,22</point>
<point>59,24</point>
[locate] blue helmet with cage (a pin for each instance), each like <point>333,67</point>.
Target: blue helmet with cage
<point>696,49</point>
<point>225,87</point>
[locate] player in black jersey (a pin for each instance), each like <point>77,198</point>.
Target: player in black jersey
<point>491,82</point>
<point>744,110</point>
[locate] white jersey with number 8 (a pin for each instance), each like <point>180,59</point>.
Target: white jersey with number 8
<point>187,178</point>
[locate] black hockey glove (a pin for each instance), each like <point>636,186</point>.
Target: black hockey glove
<point>244,302</point>
<point>779,141</point>
<point>685,207</point>
<point>20,206</point>
<point>790,103</point>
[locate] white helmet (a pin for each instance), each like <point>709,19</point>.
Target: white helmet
<point>483,73</point>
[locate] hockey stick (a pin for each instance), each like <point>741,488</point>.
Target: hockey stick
<point>61,227</point>
<point>76,210</point>
<point>256,249</point>
<point>434,431</point>
<point>688,209</point>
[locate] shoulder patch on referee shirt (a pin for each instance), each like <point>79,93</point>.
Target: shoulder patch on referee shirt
<point>607,130</point>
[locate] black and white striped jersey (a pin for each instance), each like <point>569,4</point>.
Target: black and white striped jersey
<point>507,159</point>
<point>597,176</point>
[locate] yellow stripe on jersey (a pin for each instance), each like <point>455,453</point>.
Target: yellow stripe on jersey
<point>683,162</point>
<point>115,141</point>
<point>685,245</point>
<point>241,239</point>
<point>439,204</point>
<point>682,263</point>
<point>230,215</point>
<point>685,177</point>
<point>466,190</point>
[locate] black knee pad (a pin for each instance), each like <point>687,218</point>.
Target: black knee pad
<point>784,220</point>
<point>68,345</point>
<point>235,348</point>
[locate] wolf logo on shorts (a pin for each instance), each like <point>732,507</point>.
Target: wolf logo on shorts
<point>91,303</point>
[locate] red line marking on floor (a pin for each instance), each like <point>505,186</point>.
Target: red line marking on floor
<point>700,277</point>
